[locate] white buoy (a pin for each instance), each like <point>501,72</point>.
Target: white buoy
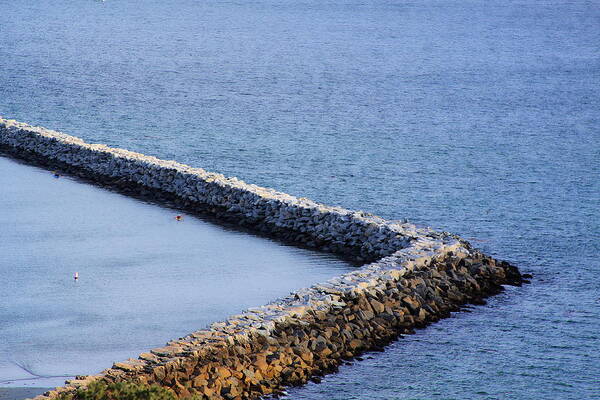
<point>76,276</point>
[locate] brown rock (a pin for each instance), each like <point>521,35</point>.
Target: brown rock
<point>307,356</point>
<point>159,373</point>
<point>377,306</point>
<point>261,362</point>
<point>325,352</point>
<point>355,344</point>
<point>411,303</point>
<point>181,390</point>
<point>222,372</point>
<point>200,381</point>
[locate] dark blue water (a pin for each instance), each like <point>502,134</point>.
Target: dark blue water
<point>476,117</point>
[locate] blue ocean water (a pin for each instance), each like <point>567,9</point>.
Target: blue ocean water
<point>476,117</point>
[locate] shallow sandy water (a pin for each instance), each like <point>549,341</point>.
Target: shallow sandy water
<point>144,277</point>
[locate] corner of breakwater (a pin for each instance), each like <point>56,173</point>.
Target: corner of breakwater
<point>417,276</point>
<point>312,331</point>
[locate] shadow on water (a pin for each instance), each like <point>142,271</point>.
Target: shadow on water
<point>172,202</point>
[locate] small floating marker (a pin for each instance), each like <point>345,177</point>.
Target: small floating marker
<point>179,218</point>
<point>56,174</point>
<point>76,276</point>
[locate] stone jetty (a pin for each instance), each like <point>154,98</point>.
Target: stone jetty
<point>411,276</point>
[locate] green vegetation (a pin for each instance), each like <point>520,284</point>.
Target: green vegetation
<point>119,391</point>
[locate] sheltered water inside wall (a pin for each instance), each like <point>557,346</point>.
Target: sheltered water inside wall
<point>144,277</point>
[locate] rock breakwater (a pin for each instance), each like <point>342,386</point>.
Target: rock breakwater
<point>298,219</point>
<point>417,276</point>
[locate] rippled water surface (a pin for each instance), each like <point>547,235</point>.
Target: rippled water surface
<point>476,117</point>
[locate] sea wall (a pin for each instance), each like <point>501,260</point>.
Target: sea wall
<point>418,276</point>
<point>302,220</point>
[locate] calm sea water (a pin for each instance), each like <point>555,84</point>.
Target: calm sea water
<point>476,117</point>
<point>144,277</point>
